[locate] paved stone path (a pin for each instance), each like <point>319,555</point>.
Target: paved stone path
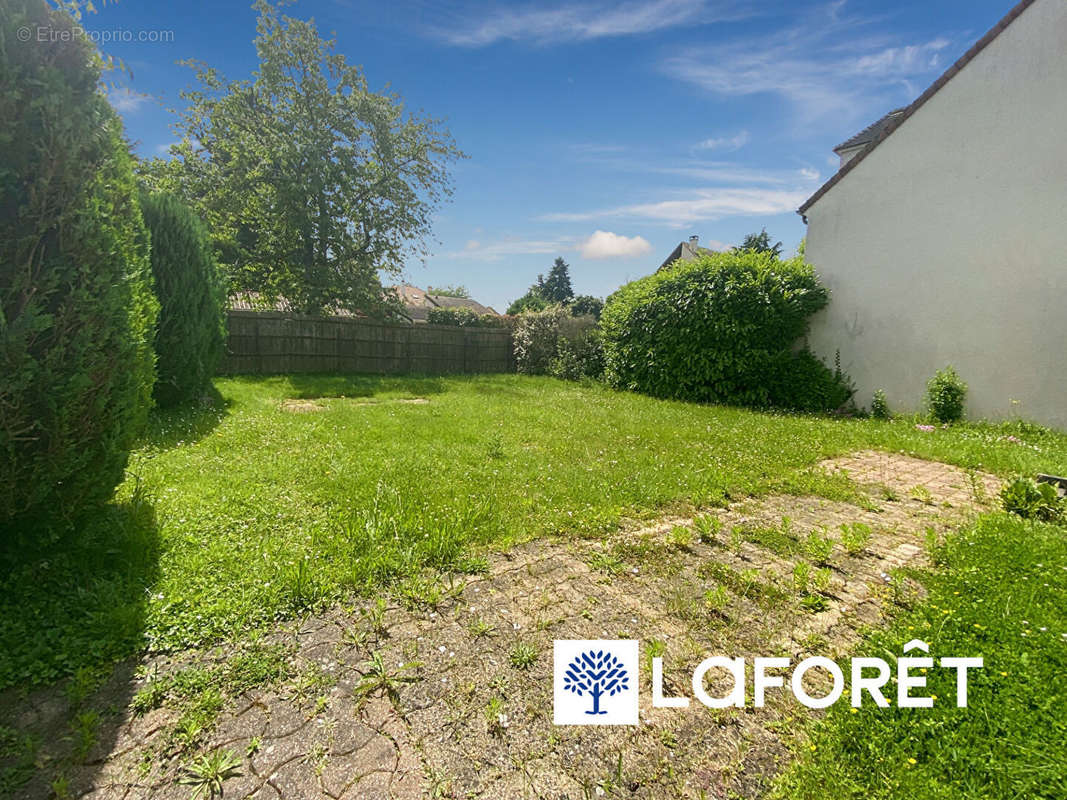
<point>473,717</point>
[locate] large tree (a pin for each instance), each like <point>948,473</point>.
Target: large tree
<point>556,288</point>
<point>761,243</point>
<point>310,182</point>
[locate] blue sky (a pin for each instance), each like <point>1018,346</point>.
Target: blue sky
<point>602,132</point>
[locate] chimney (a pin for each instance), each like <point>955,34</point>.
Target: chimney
<point>694,241</point>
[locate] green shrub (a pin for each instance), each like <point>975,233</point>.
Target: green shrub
<point>552,342</point>
<point>581,355</point>
<point>1031,500</point>
<point>945,396</point>
<point>879,405</point>
<point>76,307</point>
<point>191,294</point>
<point>721,329</point>
<point>585,305</point>
<point>463,318</point>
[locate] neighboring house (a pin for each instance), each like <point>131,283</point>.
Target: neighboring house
<point>417,303</point>
<point>254,301</point>
<point>943,239</point>
<point>686,251</point>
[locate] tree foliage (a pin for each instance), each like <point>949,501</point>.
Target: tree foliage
<point>585,305</point>
<point>721,329</point>
<point>191,331</point>
<point>556,288</point>
<point>76,308</point>
<point>311,182</point>
<point>449,291</point>
<point>761,243</point>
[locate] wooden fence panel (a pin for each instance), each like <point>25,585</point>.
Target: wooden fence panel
<point>271,342</point>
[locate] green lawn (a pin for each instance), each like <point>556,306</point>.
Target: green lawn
<point>1002,594</point>
<point>238,515</point>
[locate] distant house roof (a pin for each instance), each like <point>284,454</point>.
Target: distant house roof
<point>895,119</point>
<point>686,251</point>
<point>256,301</point>
<point>417,303</point>
<point>870,133</point>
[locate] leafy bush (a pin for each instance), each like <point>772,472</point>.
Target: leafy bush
<point>76,308</point>
<point>552,342</point>
<point>1032,500</point>
<point>580,355</point>
<point>585,305</point>
<point>945,395</point>
<point>720,329</point>
<point>463,318</point>
<point>879,405</point>
<point>192,328</point>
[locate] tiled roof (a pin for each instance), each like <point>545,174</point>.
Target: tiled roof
<point>871,132</point>
<point>686,251</point>
<point>898,120</point>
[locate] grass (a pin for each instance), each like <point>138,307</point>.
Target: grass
<point>236,516</point>
<point>1002,594</point>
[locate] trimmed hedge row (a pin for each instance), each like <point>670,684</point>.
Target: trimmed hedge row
<point>721,329</point>
<point>76,307</point>
<point>192,329</point>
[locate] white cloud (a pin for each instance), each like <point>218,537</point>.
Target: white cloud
<point>698,205</point>
<point>556,24</point>
<point>827,65</point>
<point>735,142</point>
<point>604,244</point>
<point>124,99</point>
<point>512,246</point>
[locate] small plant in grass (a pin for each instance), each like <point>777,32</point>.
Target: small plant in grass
<point>879,405</point>
<point>737,538</point>
<point>933,542</point>
<point>708,528</point>
<point>60,787</point>
<point>375,616</point>
<point>680,537</point>
<point>801,576</point>
<point>496,719</point>
<point>253,746</point>
<point>85,729</point>
<point>656,648</point>
<point>377,677</point>
<point>855,536</point>
<point>922,494</point>
<point>978,490</point>
<point>822,579</point>
<point>815,603</point>
<point>522,655</point>
<point>208,772</point>
<point>945,395</point>
<point>606,562</point>
<point>421,593</point>
<point>480,628</point>
<point>1031,500</point>
<point>715,600</point>
<point>304,588</point>
<point>818,548</point>
<point>890,494</point>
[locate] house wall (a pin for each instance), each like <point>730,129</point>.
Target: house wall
<point>948,243</point>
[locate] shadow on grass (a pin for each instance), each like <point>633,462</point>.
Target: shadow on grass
<point>310,387</point>
<point>72,615</point>
<point>168,427</point>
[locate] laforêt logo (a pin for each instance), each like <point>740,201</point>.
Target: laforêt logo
<point>595,682</point>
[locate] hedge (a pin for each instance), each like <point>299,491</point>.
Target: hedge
<point>76,308</point>
<point>722,329</point>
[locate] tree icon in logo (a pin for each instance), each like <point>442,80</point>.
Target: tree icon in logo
<point>597,672</point>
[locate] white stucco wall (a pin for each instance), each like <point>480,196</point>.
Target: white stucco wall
<point>948,243</point>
